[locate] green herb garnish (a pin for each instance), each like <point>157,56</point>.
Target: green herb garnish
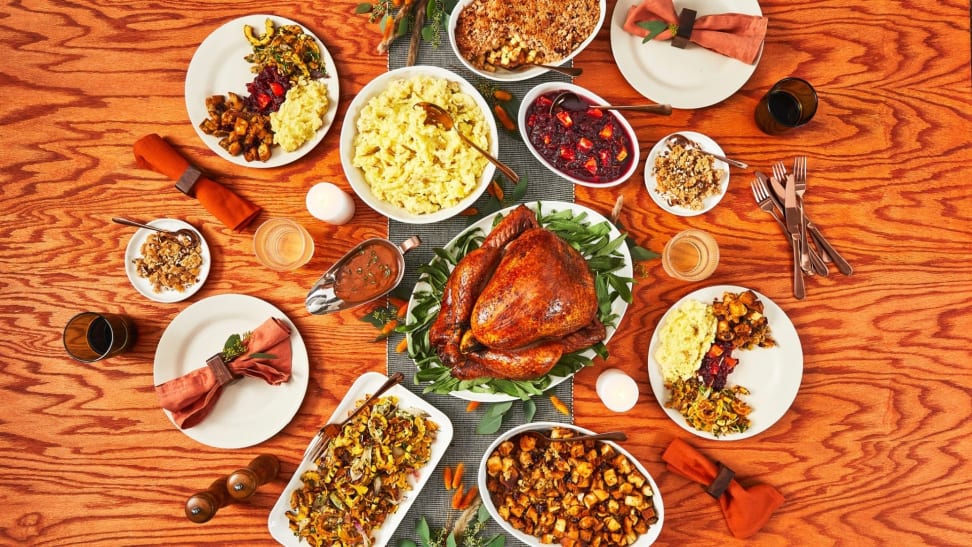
<point>655,28</point>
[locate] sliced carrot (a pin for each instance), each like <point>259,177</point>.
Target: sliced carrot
<point>502,95</point>
<point>559,405</point>
<point>457,475</point>
<point>469,497</point>
<point>447,477</point>
<point>457,498</point>
<point>504,118</point>
<point>389,27</point>
<point>472,405</point>
<point>402,346</point>
<point>389,326</point>
<point>496,190</point>
<point>470,212</point>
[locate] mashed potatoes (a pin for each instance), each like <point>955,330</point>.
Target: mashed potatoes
<point>301,115</point>
<point>421,168</point>
<point>684,339</point>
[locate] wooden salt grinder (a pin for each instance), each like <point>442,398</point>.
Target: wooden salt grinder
<point>202,506</point>
<point>242,483</point>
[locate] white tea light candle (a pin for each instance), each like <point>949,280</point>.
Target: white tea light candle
<point>327,202</point>
<point>617,390</point>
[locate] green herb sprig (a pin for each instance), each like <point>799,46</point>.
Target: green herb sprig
<point>458,535</point>
<point>655,28</point>
<point>236,346</point>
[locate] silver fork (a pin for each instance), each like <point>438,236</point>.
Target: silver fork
<point>779,172</point>
<point>324,436</point>
<point>765,202</point>
<point>769,203</point>
<point>800,186</point>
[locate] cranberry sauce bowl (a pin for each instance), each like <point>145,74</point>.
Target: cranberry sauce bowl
<point>596,148</point>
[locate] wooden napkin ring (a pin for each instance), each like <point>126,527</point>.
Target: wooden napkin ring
<point>187,182</point>
<point>686,20</point>
<point>720,482</point>
<point>220,371</point>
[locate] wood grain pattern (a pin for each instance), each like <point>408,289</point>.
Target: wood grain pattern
<point>874,450</point>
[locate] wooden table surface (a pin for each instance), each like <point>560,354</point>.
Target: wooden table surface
<point>874,450</point>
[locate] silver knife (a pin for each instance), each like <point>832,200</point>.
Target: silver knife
<point>817,264</point>
<point>843,266</point>
<point>792,213</point>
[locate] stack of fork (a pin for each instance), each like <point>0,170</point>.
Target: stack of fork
<point>814,251</point>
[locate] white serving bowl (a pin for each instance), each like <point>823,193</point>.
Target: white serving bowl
<point>502,75</point>
<point>643,541</point>
<point>356,177</point>
<point>651,183</point>
<point>591,97</point>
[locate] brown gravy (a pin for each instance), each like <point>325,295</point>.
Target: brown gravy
<point>370,272</point>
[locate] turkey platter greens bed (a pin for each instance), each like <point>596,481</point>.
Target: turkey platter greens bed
<point>554,282</point>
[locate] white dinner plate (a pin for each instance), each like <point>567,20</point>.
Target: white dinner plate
<point>651,183</point>
<point>365,385</point>
<point>693,77</point>
<point>249,411</point>
<point>618,307</point>
<point>218,67</point>
<point>142,285</point>
<point>772,375</point>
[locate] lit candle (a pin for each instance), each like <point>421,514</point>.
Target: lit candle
<point>327,202</point>
<point>617,390</point>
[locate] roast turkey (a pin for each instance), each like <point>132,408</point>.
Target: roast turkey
<point>515,305</point>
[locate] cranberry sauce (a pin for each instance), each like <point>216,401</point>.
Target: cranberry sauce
<point>591,145</point>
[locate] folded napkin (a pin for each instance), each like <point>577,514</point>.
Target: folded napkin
<point>152,152</point>
<point>732,34</point>
<point>746,509</point>
<point>192,396</point>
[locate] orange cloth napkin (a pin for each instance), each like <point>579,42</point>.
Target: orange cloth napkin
<point>746,509</point>
<point>192,396</point>
<point>152,152</point>
<point>732,34</point>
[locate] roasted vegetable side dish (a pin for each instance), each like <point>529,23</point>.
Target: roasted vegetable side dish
<point>363,475</point>
<point>574,492</point>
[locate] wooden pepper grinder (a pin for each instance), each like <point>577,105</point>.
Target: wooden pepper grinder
<point>242,483</point>
<point>202,506</point>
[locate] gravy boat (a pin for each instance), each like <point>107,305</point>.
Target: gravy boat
<point>370,270</point>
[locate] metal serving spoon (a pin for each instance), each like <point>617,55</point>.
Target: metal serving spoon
<point>179,234</point>
<point>436,115</point>
<point>686,142</point>
<point>609,436</point>
<point>567,70</point>
<point>568,100</point>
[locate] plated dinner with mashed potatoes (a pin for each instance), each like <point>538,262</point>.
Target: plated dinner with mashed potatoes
<point>725,362</point>
<point>261,91</point>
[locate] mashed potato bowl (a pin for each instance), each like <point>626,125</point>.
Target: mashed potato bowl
<point>483,482</point>
<point>409,171</point>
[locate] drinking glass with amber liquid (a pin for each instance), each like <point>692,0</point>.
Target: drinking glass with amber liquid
<point>282,244</point>
<point>692,255</point>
